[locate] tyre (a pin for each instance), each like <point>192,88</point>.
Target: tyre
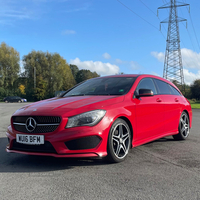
<point>119,141</point>
<point>6,101</point>
<point>183,128</point>
<point>19,101</point>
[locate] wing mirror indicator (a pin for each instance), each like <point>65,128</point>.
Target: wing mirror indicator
<point>143,93</point>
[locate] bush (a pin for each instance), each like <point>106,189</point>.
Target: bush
<point>194,100</point>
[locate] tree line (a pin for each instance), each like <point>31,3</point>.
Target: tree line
<point>45,73</point>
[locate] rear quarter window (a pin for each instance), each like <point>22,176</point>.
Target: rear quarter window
<point>163,87</point>
<point>174,90</point>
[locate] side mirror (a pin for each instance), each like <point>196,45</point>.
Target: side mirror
<point>143,93</point>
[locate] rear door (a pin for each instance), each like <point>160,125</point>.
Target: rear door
<point>149,112</point>
<point>171,103</point>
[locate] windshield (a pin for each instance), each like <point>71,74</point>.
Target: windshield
<point>103,86</point>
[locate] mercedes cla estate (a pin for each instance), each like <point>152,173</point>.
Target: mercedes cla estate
<point>101,117</point>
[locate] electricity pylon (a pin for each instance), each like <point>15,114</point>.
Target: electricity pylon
<point>173,68</point>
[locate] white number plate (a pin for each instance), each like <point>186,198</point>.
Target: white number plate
<point>30,139</point>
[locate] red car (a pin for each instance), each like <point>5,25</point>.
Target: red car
<point>100,117</point>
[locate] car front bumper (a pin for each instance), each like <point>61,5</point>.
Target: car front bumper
<point>71,142</point>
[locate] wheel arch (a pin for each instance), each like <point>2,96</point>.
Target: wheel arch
<point>130,126</point>
<point>187,115</point>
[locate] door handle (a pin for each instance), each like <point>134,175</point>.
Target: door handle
<point>176,100</point>
<point>159,100</point>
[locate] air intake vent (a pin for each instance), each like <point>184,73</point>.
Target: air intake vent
<point>83,143</point>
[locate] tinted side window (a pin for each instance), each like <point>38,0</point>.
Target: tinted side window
<point>163,88</point>
<point>175,91</point>
<point>147,83</point>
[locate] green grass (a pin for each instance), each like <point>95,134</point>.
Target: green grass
<point>194,104</point>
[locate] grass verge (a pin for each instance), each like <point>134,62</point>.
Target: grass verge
<point>194,104</point>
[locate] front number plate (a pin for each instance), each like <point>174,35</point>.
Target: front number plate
<point>30,139</point>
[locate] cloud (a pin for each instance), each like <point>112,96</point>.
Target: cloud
<point>10,15</point>
<point>190,59</point>
<point>13,10</point>
<point>68,32</point>
<point>77,9</point>
<point>129,64</point>
<point>160,56</point>
<point>97,66</point>
<point>156,74</point>
<point>134,65</point>
<point>190,77</point>
<point>106,56</point>
<point>77,6</point>
<point>118,61</point>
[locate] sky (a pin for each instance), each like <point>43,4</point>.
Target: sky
<point>106,36</point>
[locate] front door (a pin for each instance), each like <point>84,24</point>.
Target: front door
<point>149,112</point>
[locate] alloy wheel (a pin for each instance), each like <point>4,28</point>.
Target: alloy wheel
<point>121,140</point>
<point>184,125</point>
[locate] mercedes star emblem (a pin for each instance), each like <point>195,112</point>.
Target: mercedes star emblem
<point>30,124</point>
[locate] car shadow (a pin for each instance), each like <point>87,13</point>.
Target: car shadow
<point>13,162</point>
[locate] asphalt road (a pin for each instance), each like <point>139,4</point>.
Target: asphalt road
<point>163,169</point>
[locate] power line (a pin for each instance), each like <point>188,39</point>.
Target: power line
<point>140,16</point>
<point>137,14</point>
<point>153,13</point>
<point>197,59</point>
<point>184,58</point>
<point>194,31</point>
<point>189,37</point>
<point>193,45</point>
<point>148,7</point>
<point>193,27</point>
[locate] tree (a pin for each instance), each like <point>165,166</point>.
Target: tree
<point>185,89</point>
<point>9,66</point>
<point>195,89</point>
<point>85,74</point>
<point>180,87</point>
<point>40,90</point>
<point>51,68</point>
<point>74,70</point>
<point>187,93</point>
<point>2,93</point>
<point>22,89</point>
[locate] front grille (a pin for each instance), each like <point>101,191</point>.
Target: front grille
<point>89,142</point>
<point>38,119</point>
<point>42,148</point>
<point>38,129</point>
<point>45,124</point>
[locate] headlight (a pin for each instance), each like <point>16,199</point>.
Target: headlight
<point>86,119</point>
